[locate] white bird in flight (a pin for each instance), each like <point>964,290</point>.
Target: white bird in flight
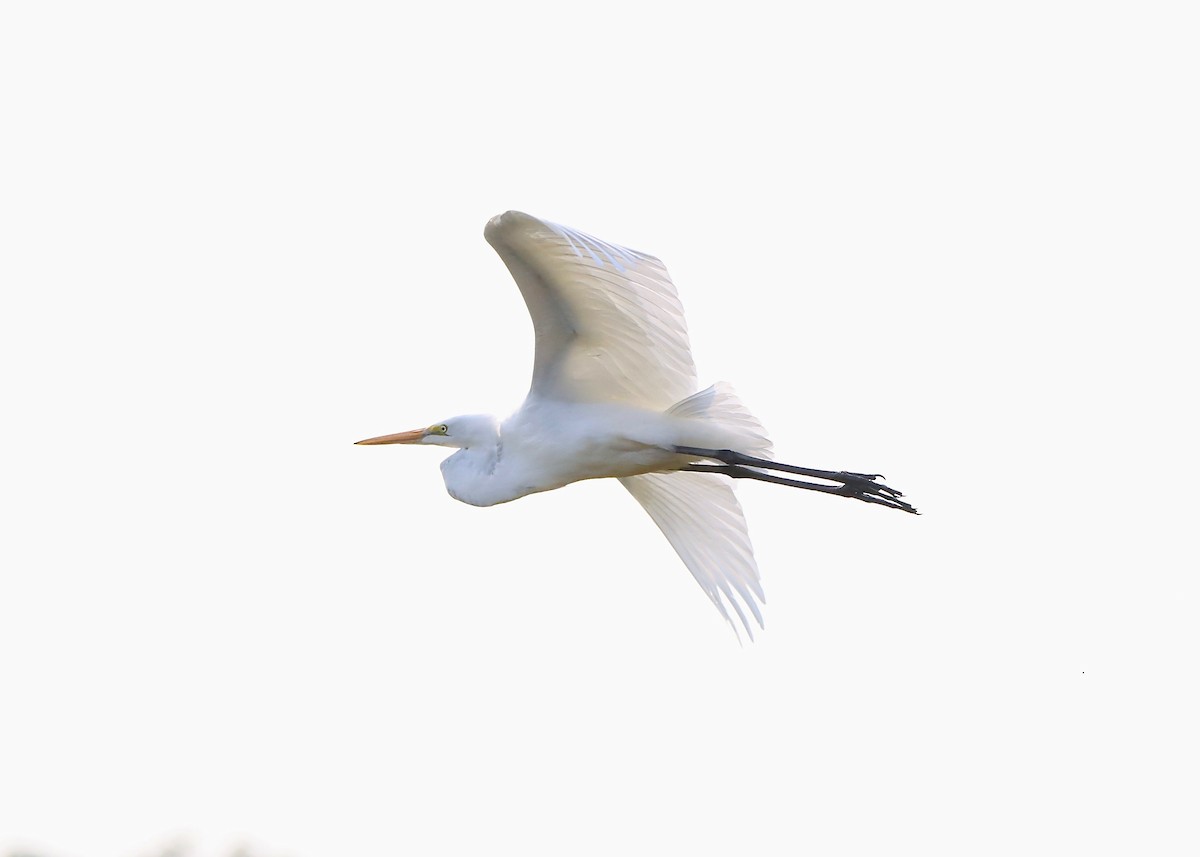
<point>614,393</point>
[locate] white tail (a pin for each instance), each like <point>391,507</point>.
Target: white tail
<point>720,406</point>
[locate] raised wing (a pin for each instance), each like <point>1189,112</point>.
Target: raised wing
<point>703,521</point>
<point>608,325</point>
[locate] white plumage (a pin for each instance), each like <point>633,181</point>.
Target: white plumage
<point>608,325</point>
<point>614,394</point>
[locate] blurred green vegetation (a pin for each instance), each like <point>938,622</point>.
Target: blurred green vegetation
<point>173,850</point>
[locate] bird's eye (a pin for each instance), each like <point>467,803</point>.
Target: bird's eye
<point>443,429</point>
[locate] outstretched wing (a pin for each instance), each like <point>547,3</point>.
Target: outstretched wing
<point>608,325</point>
<point>703,521</point>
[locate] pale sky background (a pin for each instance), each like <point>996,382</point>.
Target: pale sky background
<point>954,243</point>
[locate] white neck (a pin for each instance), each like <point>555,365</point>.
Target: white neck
<point>473,474</point>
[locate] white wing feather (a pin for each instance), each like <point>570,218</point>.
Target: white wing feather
<point>703,521</point>
<point>608,324</point>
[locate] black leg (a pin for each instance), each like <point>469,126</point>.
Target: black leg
<point>736,465</point>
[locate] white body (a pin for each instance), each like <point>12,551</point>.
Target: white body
<point>548,444</point>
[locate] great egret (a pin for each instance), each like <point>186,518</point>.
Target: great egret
<point>614,393</point>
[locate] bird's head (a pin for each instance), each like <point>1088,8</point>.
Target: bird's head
<point>459,432</point>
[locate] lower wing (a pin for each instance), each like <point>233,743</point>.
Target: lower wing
<point>703,521</point>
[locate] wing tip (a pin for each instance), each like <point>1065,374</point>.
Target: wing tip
<point>501,224</point>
